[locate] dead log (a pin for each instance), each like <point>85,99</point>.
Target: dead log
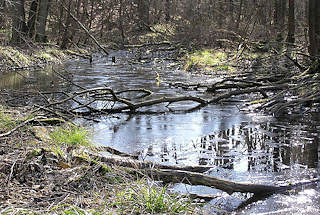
<point>147,44</point>
<point>193,178</point>
<point>190,175</point>
<point>137,164</point>
<point>180,176</point>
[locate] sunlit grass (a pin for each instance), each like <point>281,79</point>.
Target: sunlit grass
<point>46,56</point>
<point>167,29</point>
<point>142,198</point>
<point>6,120</point>
<point>15,56</point>
<point>70,135</point>
<point>56,53</point>
<point>208,59</point>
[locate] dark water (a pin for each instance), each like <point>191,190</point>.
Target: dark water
<point>241,146</point>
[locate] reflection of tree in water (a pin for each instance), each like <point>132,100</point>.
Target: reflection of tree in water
<point>30,87</point>
<point>265,147</point>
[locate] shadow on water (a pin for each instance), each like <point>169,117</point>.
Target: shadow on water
<point>242,147</point>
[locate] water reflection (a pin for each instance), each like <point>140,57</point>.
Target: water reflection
<point>44,79</point>
<point>249,146</point>
<point>167,137</point>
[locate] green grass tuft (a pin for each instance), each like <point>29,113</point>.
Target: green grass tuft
<point>6,120</point>
<point>151,199</point>
<point>71,135</point>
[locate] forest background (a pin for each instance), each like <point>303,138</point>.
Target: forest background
<point>198,23</point>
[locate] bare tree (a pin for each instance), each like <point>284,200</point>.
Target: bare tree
<point>168,8</point>
<point>18,21</point>
<point>2,7</point>
<point>314,27</point>
<point>291,22</point>
<point>143,12</point>
<point>42,20</point>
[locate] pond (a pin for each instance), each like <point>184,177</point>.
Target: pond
<point>243,147</point>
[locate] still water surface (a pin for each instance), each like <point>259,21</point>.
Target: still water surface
<point>243,147</point>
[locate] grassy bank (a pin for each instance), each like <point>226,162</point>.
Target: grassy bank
<point>47,169</point>
<point>17,57</point>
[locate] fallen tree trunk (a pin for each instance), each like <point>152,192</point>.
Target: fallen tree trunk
<point>191,175</point>
<point>137,164</point>
<point>193,178</point>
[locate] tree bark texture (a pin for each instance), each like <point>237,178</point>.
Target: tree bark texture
<point>314,27</point>
<point>143,12</point>
<point>291,22</point>
<point>42,20</point>
<point>2,7</point>
<point>168,8</point>
<point>33,13</point>
<point>18,22</point>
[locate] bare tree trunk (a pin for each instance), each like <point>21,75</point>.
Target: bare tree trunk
<point>220,15</point>
<point>231,10</point>
<point>189,12</point>
<point>291,22</point>
<point>2,7</point>
<point>279,15</point>
<point>121,21</point>
<point>65,38</point>
<point>42,20</point>
<point>33,13</point>
<point>143,12</point>
<point>314,27</point>
<point>168,7</point>
<point>18,22</point>
<point>239,15</point>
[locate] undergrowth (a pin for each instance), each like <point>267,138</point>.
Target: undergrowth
<point>143,198</point>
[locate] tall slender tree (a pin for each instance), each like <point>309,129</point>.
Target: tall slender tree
<point>291,22</point>
<point>314,27</point>
<point>2,7</point>
<point>143,12</point>
<point>167,9</point>
<point>42,20</point>
<point>19,26</point>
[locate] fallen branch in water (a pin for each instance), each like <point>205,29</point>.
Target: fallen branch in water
<point>194,178</point>
<point>192,175</point>
<point>89,98</point>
